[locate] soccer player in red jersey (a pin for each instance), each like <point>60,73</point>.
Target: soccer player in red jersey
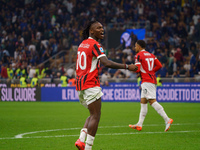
<point>89,55</point>
<point>148,64</point>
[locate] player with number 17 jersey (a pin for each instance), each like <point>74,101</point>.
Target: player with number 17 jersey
<point>87,64</point>
<point>147,64</point>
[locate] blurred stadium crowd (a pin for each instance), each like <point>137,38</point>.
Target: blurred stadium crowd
<point>33,31</point>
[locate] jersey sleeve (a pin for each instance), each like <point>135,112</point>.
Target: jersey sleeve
<point>137,62</point>
<point>98,51</point>
<point>157,65</point>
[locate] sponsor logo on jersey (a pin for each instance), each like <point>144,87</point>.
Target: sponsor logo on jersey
<point>101,49</point>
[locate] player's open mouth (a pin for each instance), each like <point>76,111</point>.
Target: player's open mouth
<point>102,35</point>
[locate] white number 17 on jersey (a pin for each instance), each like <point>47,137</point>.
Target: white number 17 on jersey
<point>150,62</point>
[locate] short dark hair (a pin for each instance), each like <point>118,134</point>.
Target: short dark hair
<point>86,30</point>
<point>141,43</point>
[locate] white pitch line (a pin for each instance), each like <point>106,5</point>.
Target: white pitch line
<point>21,135</point>
<point>174,124</point>
<point>34,137</point>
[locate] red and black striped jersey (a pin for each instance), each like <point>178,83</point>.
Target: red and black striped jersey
<point>147,64</point>
<point>87,64</point>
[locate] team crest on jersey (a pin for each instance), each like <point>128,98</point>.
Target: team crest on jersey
<point>101,49</point>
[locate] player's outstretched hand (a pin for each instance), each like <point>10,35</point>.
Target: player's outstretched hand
<point>132,67</point>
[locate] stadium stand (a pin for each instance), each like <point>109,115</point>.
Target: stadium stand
<point>43,34</point>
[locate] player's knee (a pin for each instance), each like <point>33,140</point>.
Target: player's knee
<point>144,112</point>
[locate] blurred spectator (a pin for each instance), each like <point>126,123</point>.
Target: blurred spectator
<point>34,81</point>
<point>192,59</point>
<point>54,47</point>
<point>1,54</point>
<point>198,65</point>
<point>170,60</point>
<point>10,72</point>
<point>47,54</point>
<point>140,8</point>
<point>182,71</point>
<point>23,81</point>
<point>0,68</point>
<point>5,58</point>
<point>179,56</point>
<point>123,45</point>
<point>72,81</point>
<point>104,78</point>
<point>191,31</point>
<point>24,70</point>
<point>197,30</point>
<point>195,18</point>
<point>32,47</point>
<point>192,71</point>
<point>17,72</point>
<point>4,73</point>
<point>163,58</point>
<point>159,80</point>
<point>174,65</point>
<point>130,59</point>
<point>181,30</point>
<point>127,50</point>
<point>71,72</point>
<point>139,80</point>
<point>176,74</point>
<point>32,72</point>
<point>119,57</point>
<point>187,65</point>
<point>184,49</point>
<point>133,38</point>
<point>194,50</point>
<point>124,73</point>
<point>64,80</point>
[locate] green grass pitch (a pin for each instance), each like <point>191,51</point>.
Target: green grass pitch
<point>56,126</point>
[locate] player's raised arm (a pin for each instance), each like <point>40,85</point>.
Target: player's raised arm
<point>111,64</point>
